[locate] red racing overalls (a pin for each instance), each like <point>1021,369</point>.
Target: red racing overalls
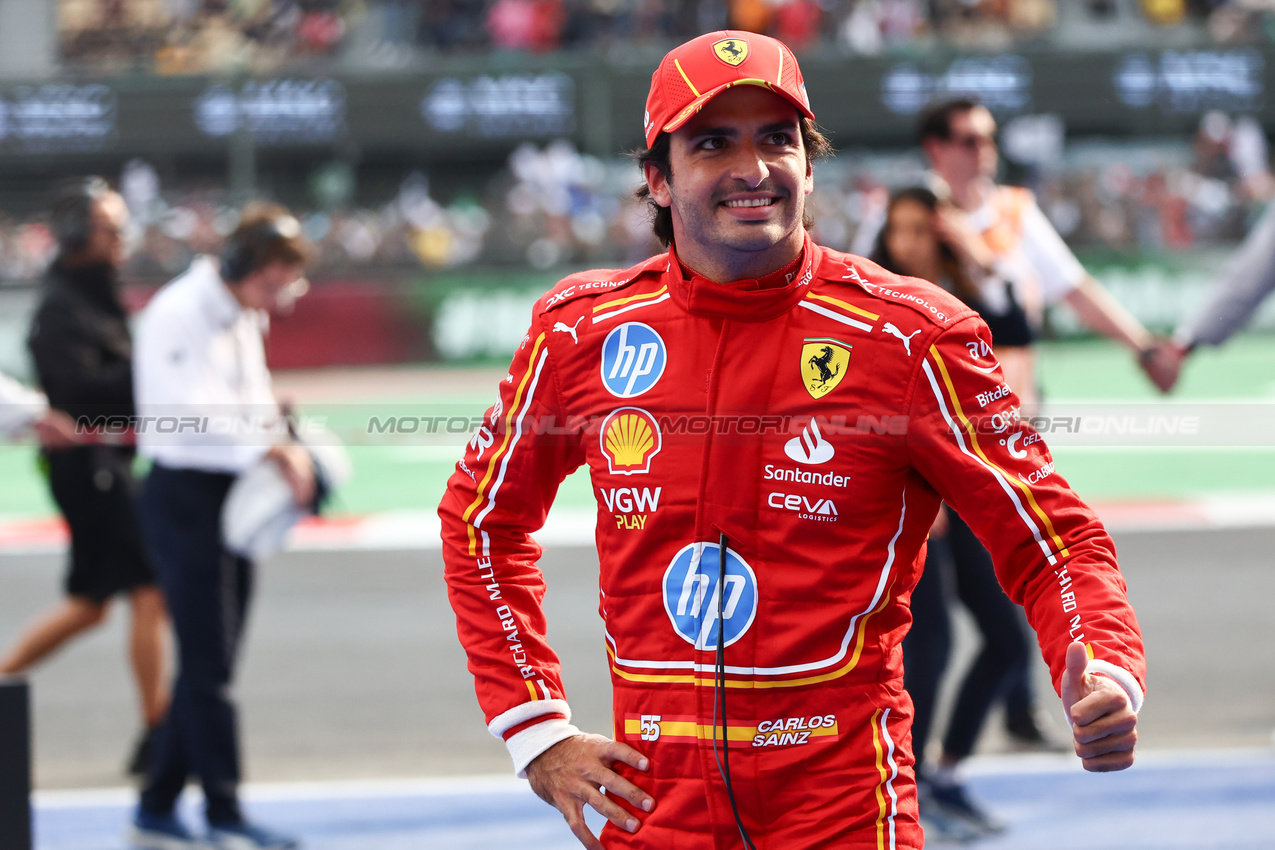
<point>816,419</point>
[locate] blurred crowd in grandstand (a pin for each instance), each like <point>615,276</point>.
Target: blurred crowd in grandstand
<point>554,207</point>
<point>208,36</point>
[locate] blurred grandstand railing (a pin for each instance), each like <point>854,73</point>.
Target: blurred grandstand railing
<point>265,37</point>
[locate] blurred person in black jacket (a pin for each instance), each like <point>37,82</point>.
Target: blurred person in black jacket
<point>82,349</point>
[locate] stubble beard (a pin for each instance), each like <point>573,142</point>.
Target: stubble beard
<point>713,228</point>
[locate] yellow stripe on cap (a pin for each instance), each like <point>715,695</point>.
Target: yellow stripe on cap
<point>691,85</point>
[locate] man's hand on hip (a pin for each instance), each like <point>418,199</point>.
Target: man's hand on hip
<point>1102,720</point>
<point>571,773</point>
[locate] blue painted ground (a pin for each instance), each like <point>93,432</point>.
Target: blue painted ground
<point>1199,801</point>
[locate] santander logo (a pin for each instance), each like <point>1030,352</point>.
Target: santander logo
<point>810,447</point>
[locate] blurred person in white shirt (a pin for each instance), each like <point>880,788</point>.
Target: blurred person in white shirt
<point>1003,237</point>
<point>207,415</point>
<point>959,140</point>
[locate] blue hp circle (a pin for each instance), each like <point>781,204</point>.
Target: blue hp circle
<point>633,359</point>
<point>691,595</point>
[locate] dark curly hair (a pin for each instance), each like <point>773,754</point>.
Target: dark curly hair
<point>813,140</point>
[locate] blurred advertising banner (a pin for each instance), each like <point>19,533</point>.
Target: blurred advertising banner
<point>468,107</point>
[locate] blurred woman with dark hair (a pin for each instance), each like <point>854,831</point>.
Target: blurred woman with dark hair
<point>927,238</point>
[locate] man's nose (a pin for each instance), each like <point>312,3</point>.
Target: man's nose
<point>750,166</point>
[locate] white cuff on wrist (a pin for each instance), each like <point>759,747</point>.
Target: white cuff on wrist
<point>1121,677</point>
<point>534,740</point>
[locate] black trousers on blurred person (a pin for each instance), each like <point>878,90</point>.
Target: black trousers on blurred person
<point>927,648</point>
<point>96,493</point>
<point>207,591</point>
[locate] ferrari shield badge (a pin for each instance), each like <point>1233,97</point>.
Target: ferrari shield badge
<point>732,51</point>
<point>823,365</point>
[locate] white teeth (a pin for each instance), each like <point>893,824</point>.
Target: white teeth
<point>751,202</point>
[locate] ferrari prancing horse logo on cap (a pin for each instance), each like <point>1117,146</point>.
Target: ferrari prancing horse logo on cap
<point>732,51</point>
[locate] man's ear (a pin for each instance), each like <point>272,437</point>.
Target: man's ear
<point>658,184</point>
<point>928,147</point>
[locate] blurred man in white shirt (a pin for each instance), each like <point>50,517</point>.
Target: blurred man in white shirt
<point>1006,237</point>
<point>959,140</point>
<point>206,415</point>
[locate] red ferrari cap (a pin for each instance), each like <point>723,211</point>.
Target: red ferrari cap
<point>691,75</point>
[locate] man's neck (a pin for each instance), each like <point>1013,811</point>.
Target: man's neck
<point>236,292</point>
<point>730,267</point>
<point>969,196</point>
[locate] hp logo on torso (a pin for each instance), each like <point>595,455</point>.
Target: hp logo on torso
<point>691,595</point>
<point>633,359</point>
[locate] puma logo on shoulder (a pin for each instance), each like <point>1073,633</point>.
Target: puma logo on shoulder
<point>570,329</point>
<point>889,327</point>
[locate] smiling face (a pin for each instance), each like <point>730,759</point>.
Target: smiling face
<point>738,185</point>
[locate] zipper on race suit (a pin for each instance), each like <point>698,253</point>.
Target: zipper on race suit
<point>722,756</point>
<point>719,693</point>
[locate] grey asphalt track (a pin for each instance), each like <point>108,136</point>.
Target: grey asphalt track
<point>353,669</point>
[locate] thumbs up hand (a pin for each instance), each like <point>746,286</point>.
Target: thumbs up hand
<point>1102,720</point>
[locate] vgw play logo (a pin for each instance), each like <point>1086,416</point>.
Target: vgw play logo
<point>692,590</point>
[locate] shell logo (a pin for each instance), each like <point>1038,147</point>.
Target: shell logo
<point>630,437</point>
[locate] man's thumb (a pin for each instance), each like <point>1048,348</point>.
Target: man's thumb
<point>1074,678</point>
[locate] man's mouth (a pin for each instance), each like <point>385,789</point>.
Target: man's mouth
<point>751,202</point>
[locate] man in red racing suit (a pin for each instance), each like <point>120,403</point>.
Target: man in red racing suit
<point>812,418</point>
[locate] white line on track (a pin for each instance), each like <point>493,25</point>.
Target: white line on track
<point>446,786</point>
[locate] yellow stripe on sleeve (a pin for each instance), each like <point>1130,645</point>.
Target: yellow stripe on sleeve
<point>495,456</point>
<point>969,429</point>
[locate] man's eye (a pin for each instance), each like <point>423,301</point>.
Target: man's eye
<point>780,139</point>
<point>712,144</point>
